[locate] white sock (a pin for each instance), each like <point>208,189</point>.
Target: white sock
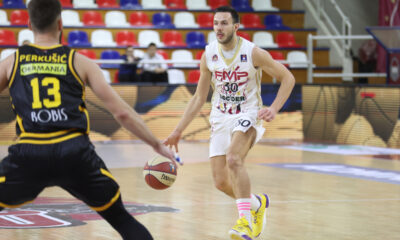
<point>255,202</point>
<point>244,206</point>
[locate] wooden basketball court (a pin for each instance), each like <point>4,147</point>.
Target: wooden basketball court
<point>304,205</point>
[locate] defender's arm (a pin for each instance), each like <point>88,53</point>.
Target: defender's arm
<point>121,111</point>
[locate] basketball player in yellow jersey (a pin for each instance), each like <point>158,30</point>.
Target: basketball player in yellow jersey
<point>233,65</point>
<point>47,87</point>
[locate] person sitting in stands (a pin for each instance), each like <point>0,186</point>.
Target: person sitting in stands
<point>127,71</point>
<point>153,72</point>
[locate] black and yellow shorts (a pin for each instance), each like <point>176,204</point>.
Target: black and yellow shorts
<point>72,165</point>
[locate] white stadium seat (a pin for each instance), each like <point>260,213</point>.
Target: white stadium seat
<point>116,19</point>
<point>297,56</point>
<point>84,4</point>
<point>102,38</point>
<point>185,20</point>
<point>7,52</point>
<point>211,37</point>
<point>264,40</point>
<point>3,18</point>
<point>71,18</point>
<point>263,5</point>
<point>183,55</point>
<point>197,5</point>
<point>176,76</point>
<point>23,35</point>
<point>153,4</point>
<point>149,36</point>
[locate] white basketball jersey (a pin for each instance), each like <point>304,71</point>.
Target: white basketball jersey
<point>236,82</point>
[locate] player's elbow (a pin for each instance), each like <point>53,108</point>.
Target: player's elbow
<point>121,115</point>
<point>288,79</point>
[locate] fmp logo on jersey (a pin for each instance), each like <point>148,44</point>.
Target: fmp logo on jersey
<point>243,57</point>
<point>60,212</point>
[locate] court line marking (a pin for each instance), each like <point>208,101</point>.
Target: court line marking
<point>177,204</point>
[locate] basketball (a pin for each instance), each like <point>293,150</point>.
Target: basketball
<point>160,172</point>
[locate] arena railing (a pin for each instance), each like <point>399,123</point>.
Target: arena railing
<point>345,75</point>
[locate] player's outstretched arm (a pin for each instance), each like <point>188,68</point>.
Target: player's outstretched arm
<point>263,59</point>
<point>5,71</point>
<point>194,106</point>
<point>122,112</point>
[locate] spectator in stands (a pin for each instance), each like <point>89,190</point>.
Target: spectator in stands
<point>127,71</point>
<point>153,72</point>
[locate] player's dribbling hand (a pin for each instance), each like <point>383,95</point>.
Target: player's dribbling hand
<point>173,139</point>
<point>164,151</point>
<point>267,114</point>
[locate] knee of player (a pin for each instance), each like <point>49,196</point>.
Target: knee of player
<point>234,161</point>
<point>220,183</point>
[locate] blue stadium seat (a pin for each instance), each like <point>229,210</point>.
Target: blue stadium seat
<point>274,22</point>
<point>130,4</point>
<point>162,20</point>
<point>241,5</point>
<point>13,4</point>
<point>110,54</point>
<point>195,40</point>
<point>78,39</point>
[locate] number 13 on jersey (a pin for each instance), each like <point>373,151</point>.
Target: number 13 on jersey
<point>53,90</point>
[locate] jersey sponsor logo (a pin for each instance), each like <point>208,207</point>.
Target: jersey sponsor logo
<point>232,99</point>
<point>43,68</point>
<point>231,75</point>
<point>215,58</point>
<point>49,115</point>
<point>243,57</point>
<point>60,212</point>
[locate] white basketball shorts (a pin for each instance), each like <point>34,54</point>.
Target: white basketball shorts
<point>223,126</point>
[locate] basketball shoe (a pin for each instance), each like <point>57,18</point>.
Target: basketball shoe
<point>260,216</point>
<point>241,231</point>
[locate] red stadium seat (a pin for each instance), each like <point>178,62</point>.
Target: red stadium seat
<point>7,37</point>
<point>19,17</point>
<point>175,4</point>
<point>139,19</point>
<point>63,42</point>
<point>173,39</point>
<point>252,20</point>
<point>194,76</point>
<point>88,53</point>
<point>163,53</point>
<point>278,55</point>
<point>286,40</point>
<point>244,35</point>
<point>199,54</point>
<point>66,3</point>
<point>107,4</point>
<point>126,38</point>
<point>205,19</point>
<point>116,77</point>
<point>92,18</point>
<point>218,3</point>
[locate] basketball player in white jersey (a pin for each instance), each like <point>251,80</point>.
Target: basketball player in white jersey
<point>233,67</point>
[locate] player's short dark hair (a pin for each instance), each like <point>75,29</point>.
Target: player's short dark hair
<point>43,14</point>
<point>231,10</point>
<point>152,45</point>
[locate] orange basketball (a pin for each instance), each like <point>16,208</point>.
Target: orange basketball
<point>160,172</point>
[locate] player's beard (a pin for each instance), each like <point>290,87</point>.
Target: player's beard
<point>228,38</point>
